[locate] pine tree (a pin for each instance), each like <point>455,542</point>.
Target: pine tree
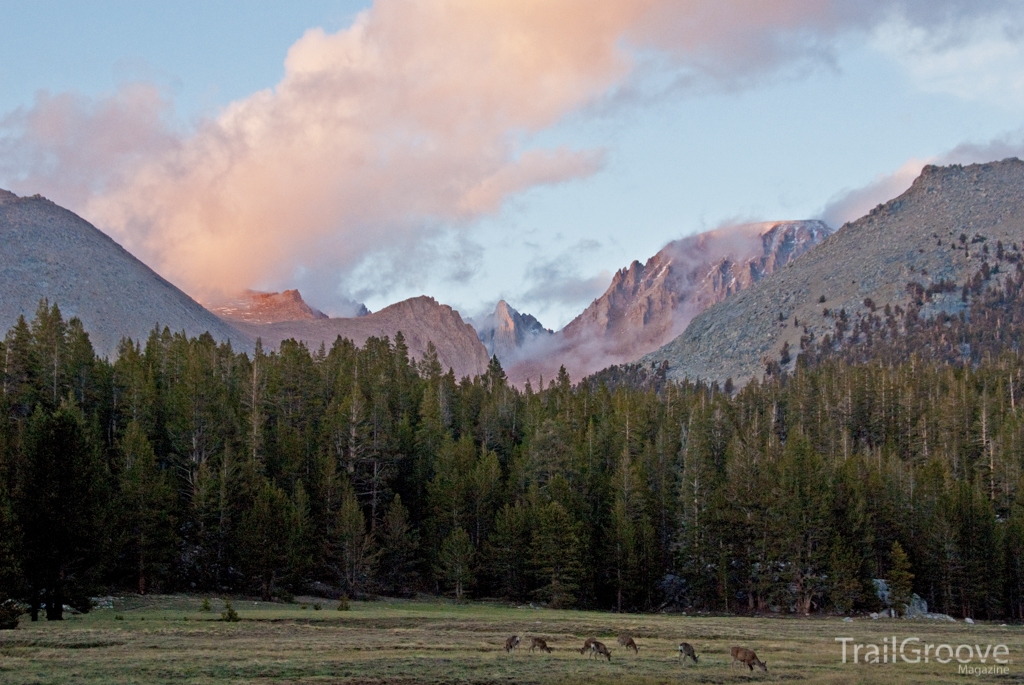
<point>352,554</point>
<point>147,503</point>
<point>62,494</point>
<point>455,561</point>
<point>555,555</point>
<point>509,551</point>
<point>398,543</point>
<point>900,579</point>
<point>268,532</point>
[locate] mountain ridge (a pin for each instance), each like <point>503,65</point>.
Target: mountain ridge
<point>50,252</point>
<point>938,231</point>
<point>420,319</point>
<point>647,304</point>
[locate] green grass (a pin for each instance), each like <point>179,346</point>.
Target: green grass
<point>169,639</point>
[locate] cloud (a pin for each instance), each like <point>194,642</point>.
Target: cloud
<point>980,58</point>
<point>417,119</point>
<point>850,205</point>
<point>557,282</point>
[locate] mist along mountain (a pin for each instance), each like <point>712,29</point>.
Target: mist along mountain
<point>49,252</point>
<point>420,319</point>
<point>921,247</point>
<point>508,334</point>
<point>649,304</point>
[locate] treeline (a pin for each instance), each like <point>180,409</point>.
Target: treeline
<point>184,465</point>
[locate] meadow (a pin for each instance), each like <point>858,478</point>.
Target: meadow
<point>171,639</point>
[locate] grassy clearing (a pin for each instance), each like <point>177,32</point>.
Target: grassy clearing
<point>169,639</point>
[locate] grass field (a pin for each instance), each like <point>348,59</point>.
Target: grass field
<point>169,639</point>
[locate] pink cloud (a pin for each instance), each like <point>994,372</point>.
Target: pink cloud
<point>418,116</point>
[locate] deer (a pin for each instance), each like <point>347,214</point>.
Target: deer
<point>686,650</point>
<point>539,643</point>
<point>747,656</point>
<point>586,645</point>
<point>511,643</point>
<point>598,648</point>
<point>627,641</point>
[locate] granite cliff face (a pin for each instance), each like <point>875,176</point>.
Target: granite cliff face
<point>507,333</point>
<point>647,305</point>
<point>942,229</point>
<point>257,307</point>
<point>420,319</point>
<point>48,252</point>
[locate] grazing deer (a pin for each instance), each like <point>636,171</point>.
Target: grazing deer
<point>686,650</point>
<point>598,648</point>
<point>747,656</point>
<point>628,642</point>
<point>586,645</point>
<point>539,643</point>
<point>511,643</point>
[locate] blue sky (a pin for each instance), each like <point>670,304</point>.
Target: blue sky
<point>462,186</point>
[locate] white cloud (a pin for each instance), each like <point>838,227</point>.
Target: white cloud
<point>977,58</point>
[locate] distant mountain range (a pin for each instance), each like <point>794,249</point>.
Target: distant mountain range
<point>49,252</point>
<point>420,319</point>
<point>713,306</point>
<point>934,237</point>
<point>647,305</point>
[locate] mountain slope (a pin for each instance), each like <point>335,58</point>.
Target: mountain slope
<point>647,305</point>
<point>939,231</point>
<point>47,251</point>
<point>420,319</point>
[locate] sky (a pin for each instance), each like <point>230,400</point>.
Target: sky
<point>518,149</point>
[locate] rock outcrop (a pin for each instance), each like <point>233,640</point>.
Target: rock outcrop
<point>256,307</point>
<point>420,319</point>
<point>649,304</point>
<point>942,229</point>
<point>49,252</point>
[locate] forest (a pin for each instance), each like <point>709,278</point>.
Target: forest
<point>891,450</point>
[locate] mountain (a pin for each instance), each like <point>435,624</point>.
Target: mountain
<point>924,245</point>
<point>420,319</point>
<point>49,252</point>
<point>257,307</point>
<point>506,333</point>
<point>649,304</point>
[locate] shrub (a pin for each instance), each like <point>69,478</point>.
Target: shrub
<point>10,614</point>
<point>343,603</point>
<point>229,614</point>
<point>206,605</point>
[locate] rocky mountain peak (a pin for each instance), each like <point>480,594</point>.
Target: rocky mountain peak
<point>648,304</point>
<point>507,333</point>
<point>259,307</point>
<point>935,235</point>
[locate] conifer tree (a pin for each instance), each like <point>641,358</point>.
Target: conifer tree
<point>555,555</point>
<point>147,502</point>
<point>352,554</point>
<point>455,561</point>
<point>398,543</point>
<point>900,579</point>
<point>62,492</point>
<point>268,533</point>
